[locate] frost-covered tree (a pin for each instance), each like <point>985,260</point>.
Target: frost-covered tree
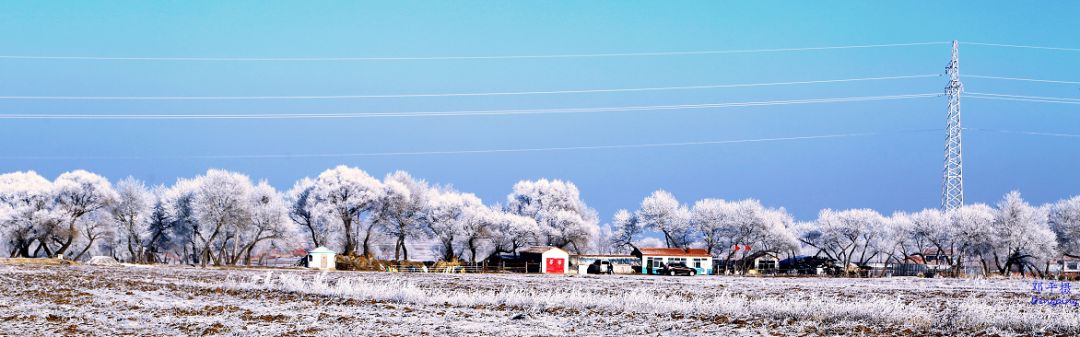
<point>1023,236</point>
<point>348,194</point>
<point>25,209</point>
<point>446,218</point>
<point>625,230</point>
<point>160,228</point>
<point>896,240</point>
<point>402,212</point>
<point>77,194</point>
<point>178,208</point>
<point>476,225</point>
<point>603,242</point>
<point>849,235</point>
<point>221,206</point>
<point>749,223</point>
<point>1064,220</point>
<point>661,212</point>
<point>131,215</point>
<point>511,232</point>
<point>96,234</point>
<point>931,229</point>
<point>564,219</point>
<point>714,220</point>
<point>268,221</point>
<point>303,211</point>
<point>970,233</point>
<point>778,233</point>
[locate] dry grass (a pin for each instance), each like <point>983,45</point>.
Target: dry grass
<point>107,301</point>
<point>35,261</point>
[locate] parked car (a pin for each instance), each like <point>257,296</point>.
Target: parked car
<point>677,269</point>
<point>811,265</point>
<point>600,267</point>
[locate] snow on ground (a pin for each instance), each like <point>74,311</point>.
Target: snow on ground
<point>105,301</point>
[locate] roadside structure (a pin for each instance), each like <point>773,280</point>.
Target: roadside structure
<point>599,263</point>
<point>653,260</point>
<point>547,259</point>
<point>321,258</point>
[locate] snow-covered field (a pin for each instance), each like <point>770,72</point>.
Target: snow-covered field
<point>106,301</point>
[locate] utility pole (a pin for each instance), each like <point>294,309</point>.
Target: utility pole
<point>952,189</point>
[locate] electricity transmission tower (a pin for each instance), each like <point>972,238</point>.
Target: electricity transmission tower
<point>952,192</point>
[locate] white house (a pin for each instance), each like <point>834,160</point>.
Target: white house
<point>551,260</point>
<point>1068,266</point>
<point>654,259</point>
<point>321,258</point>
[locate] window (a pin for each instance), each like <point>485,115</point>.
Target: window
<point>697,263</point>
<point>766,264</point>
<point>1072,265</point>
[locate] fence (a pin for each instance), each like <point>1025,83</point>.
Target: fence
<point>465,269</point>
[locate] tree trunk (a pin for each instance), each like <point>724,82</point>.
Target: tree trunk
<point>131,250</point>
<point>247,254</point>
<point>399,248</point>
<point>88,245</point>
<point>472,250</point>
<point>43,246</point>
<point>24,250</point>
<point>70,237</point>
<point>448,246</point>
<point>350,243</point>
<point>367,241</point>
<point>223,255</point>
<point>667,239</point>
<point>314,238</point>
<point>204,256</point>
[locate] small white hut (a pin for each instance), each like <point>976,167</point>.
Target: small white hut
<point>551,260</point>
<point>320,258</point>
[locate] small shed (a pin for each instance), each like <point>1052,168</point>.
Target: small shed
<point>321,258</point>
<point>1067,266</point>
<point>551,260</point>
<point>599,263</point>
<point>761,262</point>
<point>654,259</point>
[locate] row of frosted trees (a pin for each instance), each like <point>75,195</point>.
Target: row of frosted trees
<point>225,218</point>
<point>1011,236</point>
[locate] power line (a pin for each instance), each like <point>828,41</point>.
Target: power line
<point>470,112</point>
<point>691,87</point>
<point>1022,98</point>
<point>1022,79</point>
<point>484,151</point>
<point>490,57</point>
<point>1030,133</point>
<point>1021,46</point>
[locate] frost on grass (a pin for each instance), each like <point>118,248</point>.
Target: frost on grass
<point>187,301</point>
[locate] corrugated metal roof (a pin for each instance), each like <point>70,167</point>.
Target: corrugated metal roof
<point>601,255</point>
<point>537,249</point>
<point>693,252</point>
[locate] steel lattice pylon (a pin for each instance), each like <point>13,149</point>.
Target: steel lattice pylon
<point>952,189</point>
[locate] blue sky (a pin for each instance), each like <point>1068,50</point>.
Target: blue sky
<point>892,171</point>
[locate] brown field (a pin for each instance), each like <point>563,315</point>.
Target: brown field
<point>168,301</point>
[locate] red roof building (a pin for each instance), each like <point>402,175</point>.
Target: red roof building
<point>655,260</point>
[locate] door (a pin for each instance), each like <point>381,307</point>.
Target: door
<point>322,262</point>
<point>555,266</point>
